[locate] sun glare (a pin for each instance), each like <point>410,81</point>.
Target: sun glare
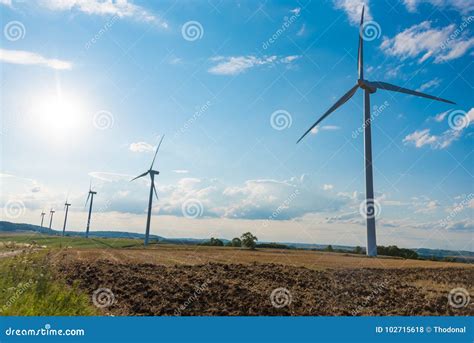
<point>57,116</point>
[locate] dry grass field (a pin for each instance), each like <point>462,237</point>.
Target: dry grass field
<point>169,255</point>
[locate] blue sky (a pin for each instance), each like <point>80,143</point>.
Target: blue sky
<point>88,87</point>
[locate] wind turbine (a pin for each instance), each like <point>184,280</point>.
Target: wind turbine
<point>91,196</point>
<point>369,87</point>
<point>42,217</point>
<point>66,207</point>
<point>152,189</point>
<point>51,213</point>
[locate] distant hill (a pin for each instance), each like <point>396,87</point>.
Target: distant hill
<point>466,256</point>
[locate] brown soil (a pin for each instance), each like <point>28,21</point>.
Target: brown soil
<point>221,289</point>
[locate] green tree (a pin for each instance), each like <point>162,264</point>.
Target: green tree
<point>236,242</point>
<point>249,240</point>
<point>329,248</point>
<point>358,250</point>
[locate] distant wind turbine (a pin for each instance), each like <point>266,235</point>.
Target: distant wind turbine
<point>369,87</point>
<point>91,196</point>
<point>51,213</point>
<point>152,189</point>
<point>42,217</point>
<point>66,208</point>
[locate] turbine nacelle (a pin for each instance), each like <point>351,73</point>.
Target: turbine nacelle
<point>366,85</point>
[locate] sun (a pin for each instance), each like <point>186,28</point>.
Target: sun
<point>57,116</point>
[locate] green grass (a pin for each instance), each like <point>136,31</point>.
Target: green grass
<point>29,288</point>
<point>74,242</point>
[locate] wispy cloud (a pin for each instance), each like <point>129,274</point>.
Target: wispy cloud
<point>238,64</point>
<point>440,43</point>
<point>31,58</point>
<point>462,6</point>
<point>141,147</point>
<point>353,9</point>
<point>120,8</point>
<point>440,116</point>
<point>6,2</point>
<point>180,171</point>
<point>325,128</point>
<point>430,84</point>
<point>421,138</point>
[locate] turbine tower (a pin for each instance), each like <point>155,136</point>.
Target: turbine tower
<point>369,87</point>
<point>66,208</point>
<point>91,196</point>
<point>152,189</point>
<point>51,213</point>
<point>42,217</point>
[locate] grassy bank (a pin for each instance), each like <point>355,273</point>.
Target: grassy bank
<point>28,288</point>
<point>68,241</point>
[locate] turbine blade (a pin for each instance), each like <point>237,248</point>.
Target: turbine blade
<point>156,152</point>
<point>139,176</point>
<point>390,87</point>
<point>87,200</point>
<point>360,52</point>
<point>154,189</point>
<point>339,103</point>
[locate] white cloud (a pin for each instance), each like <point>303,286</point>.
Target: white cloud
<point>31,58</point>
<point>180,171</point>
<point>420,138</point>
<point>428,207</point>
<point>289,59</point>
<point>462,6</point>
<point>120,8</point>
<point>141,147</point>
<point>316,129</point>
<point>296,11</point>
<point>6,2</point>
<point>424,137</point>
<point>237,64</point>
<point>430,84</point>
<point>302,30</point>
<point>328,187</point>
<point>440,43</point>
<point>440,116</point>
<point>353,9</point>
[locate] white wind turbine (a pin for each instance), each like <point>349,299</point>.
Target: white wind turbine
<point>369,87</point>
